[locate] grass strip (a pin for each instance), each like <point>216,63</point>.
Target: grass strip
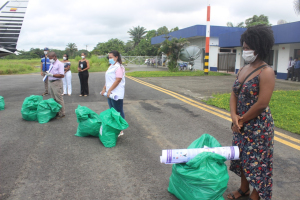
<point>23,66</point>
<point>284,105</point>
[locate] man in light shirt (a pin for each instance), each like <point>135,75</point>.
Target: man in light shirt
<point>290,69</point>
<point>55,75</point>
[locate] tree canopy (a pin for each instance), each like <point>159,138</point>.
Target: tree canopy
<point>137,34</point>
<point>71,49</point>
<point>139,45</point>
<point>252,21</point>
<point>104,48</point>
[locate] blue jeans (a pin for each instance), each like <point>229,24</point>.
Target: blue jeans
<point>117,105</point>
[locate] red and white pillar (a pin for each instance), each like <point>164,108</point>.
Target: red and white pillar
<point>206,58</point>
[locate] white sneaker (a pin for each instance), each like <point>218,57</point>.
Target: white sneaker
<point>121,133</point>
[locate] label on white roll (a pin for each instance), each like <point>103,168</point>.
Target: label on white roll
<point>174,156</point>
<point>111,96</point>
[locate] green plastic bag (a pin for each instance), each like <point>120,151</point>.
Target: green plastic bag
<point>203,177</point>
<point>29,107</point>
<point>2,103</point>
<point>89,122</point>
<point>112,125</point>
<point>47,110</point>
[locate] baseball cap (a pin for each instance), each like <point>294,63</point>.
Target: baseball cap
<point>46,49</point>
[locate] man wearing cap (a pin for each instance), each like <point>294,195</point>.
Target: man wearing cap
<point>45,63</point>
<point>55,76</point>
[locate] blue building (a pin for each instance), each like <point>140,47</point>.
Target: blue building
<point>226,52</point>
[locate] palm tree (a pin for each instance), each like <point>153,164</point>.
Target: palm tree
<point>229,24</point>
<point>241,24</point>
<point>137,33</point>
<point>297,6</point>
<point>71,48</point>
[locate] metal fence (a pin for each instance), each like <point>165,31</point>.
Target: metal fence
<point>153,61</point>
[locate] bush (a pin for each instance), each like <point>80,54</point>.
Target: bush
<point>172,49</point>
<point>77,58</point>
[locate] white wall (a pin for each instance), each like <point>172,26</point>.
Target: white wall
<point>213,51</point>
<point>275,57</point>
<point>213,56</point>
<point>284,52</point>
<point>213,41</point>
<point>239,61</point>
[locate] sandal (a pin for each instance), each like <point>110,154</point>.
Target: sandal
<point>243,194</point>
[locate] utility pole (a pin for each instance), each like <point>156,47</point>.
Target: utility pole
<point>206,58</point>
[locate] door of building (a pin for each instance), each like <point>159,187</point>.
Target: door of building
<point>226,62</point>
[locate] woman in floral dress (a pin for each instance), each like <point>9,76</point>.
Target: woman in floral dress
<point>253,126</point>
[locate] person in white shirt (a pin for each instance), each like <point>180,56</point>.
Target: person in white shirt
<point>115,83</point>
<point>68,75</point>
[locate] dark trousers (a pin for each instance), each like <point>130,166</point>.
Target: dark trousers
<point>117,105</point>
<point>289,74</point>
<point>84,86</point>
<point>297,74</point>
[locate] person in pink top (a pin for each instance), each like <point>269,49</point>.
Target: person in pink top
<point>55,74</point>
<point>115,83</point>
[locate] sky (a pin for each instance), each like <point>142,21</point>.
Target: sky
<point>56,23</point>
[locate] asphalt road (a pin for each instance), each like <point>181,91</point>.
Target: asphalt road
<point>46,161</point>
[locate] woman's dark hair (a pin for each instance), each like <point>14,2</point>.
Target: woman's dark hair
<point>84,53</point>
<point>259,38</point>
<point>67,56</point>
<point>117,54</point>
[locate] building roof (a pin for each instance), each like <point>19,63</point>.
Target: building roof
<point>283,34</point>
<point>196,31</point>
<point>230,36</point>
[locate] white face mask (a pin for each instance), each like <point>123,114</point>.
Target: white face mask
<point>82,57</point>
<point>52,61</point>
<point>45,52</point>
<point>65,58</point>
<point>249,56</point>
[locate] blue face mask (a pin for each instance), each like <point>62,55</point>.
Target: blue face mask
<point>111,61</point>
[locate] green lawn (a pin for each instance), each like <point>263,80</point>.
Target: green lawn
<point>143,74</point>
<point>284,105</point>
<point>32,66</point>
<point>19,66</point>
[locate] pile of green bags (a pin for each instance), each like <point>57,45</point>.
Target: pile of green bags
<point>29,107</point>
<point>2,103</point>
<point>109,122</point>
<point>89,122</point>
<point>47,109</point>
<point>112,125</point>
<point>203,177</point>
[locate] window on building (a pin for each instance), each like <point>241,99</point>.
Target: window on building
<point>297,53</point>
<point>225,50</point>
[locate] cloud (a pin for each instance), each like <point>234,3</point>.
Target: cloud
<point>58,22</point>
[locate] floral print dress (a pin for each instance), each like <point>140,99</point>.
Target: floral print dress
<point>255,141</point>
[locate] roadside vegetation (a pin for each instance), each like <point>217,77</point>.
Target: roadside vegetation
<point>143,74</point>
<point>284,106</point>
<point>25,66</point>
